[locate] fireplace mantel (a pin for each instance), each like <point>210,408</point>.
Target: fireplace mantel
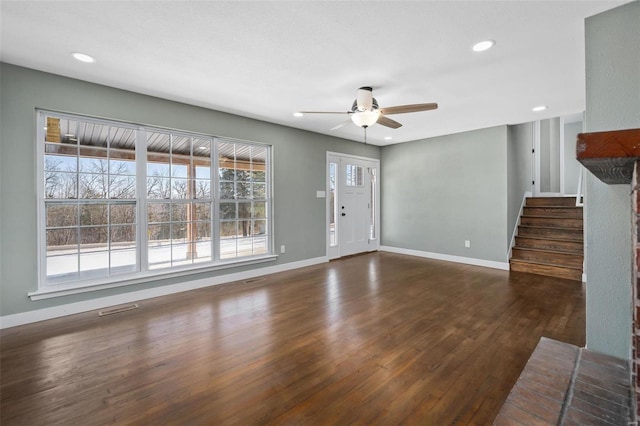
<point>610,155</point>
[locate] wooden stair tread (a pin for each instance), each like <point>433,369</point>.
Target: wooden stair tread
<point>555,265</point>
<point>581,253</point>
<point>553,228</point>
<point>534,237</point>
<point>552,217</point>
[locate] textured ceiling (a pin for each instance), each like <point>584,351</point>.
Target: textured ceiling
<point>268,59</point>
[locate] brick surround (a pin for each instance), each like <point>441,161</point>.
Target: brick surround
<point>635,335</point>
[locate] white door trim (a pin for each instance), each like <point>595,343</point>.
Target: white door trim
<point>375,244</point>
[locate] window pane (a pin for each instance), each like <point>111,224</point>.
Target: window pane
<point>94,264</point>
<point>60,185</point>
<point>159,212</point>
<point>202,211</point>
<point>160,256</point>
<point>123,261</point>
<point>181,145</point>
<point>227,210</point>
<point>94,214</point>
<point>243,190</point>
<point>178,170</point>
<point>62,268</point>
<point>158,188</point>
<point>202,189</point>
<point>244,210</point>
<point>203,170</point>
<point>179,188</point>
<point>157,168</point>
<point>92,186</point>
<point>179,212</point>
<point>178,232</point>
<point>259,191</point>
<point>93,160</point>
<point>159,234</point>
<point>61,163</point>
<point>122,213</point>
<point>227,240</point>
<point>92,134</point>
<point>122,138</point>
<point>203,231</point>
<point>259,227</point>
<point>226,191</point>
<point>59,215</point>
<point>122,187</point>
<point>201,147</point>
<point>227,173</point>
<point>121,167</point>
<point>61,239</point>
<point>95,237</point>
<point>122,236</point>
<point>259,210</point>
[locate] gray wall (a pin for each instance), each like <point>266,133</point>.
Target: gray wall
<point>572,168</point>
<point>519,176</point>
<point>550,155</point>
<point>613,93</point>
<point>439,192</point>
<point>299,171</point>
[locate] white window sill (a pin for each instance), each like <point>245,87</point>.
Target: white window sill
<point>48,292</point>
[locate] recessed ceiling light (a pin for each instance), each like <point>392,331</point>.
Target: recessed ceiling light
<point>298,114</point>
<point>387,138</point>
<point>483,45</point>
<point>82,57</point>
<point>539,108</point>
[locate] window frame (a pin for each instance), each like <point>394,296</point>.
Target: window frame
<point>143,272</point>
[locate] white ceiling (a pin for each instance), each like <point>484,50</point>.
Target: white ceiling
<point>268,59</point>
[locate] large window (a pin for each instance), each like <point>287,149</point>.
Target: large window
<point>121,200</point>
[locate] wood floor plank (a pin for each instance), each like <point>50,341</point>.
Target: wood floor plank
<point>380,338</point>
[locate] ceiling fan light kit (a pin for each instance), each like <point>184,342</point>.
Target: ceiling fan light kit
<point>365,111</point>
<point>365,118</point>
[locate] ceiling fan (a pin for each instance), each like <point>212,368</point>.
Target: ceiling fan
<point>365,111</point>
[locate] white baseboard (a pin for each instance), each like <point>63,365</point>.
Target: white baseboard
<point>448,258</point>
<point>28,317</point>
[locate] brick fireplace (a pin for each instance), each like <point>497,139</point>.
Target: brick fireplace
<point>614,158</point>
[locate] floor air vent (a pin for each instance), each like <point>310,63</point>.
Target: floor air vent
<point>118,310</point>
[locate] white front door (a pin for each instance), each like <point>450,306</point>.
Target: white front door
<point>352,205</point>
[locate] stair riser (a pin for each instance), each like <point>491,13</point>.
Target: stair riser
<point>551,201</point>
<point>569,212</point>
<point>551,271</point>
<point>570,246</point>
<point>562,259</point>
<point>551,222</point>
<point>568,234</point>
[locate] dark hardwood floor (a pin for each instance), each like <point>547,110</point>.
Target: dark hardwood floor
<point>372,339</point>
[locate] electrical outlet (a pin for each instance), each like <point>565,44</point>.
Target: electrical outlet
<point>282,250</point>
<point>467,243</point>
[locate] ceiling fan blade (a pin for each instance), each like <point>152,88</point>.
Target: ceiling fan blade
<point>344,123</point>
<point>325,112</point>
<point>403,109</point>
<point>387,122</point>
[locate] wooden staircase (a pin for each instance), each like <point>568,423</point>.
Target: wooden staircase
<point>550,239</point>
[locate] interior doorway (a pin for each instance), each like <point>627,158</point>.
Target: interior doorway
<point>556,172</point>
<point>353,208</point>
